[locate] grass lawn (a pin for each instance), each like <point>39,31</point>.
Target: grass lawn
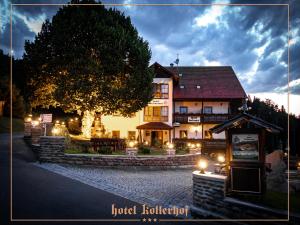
<point>17,125</point>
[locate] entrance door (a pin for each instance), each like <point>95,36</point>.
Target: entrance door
<point>156,138</point>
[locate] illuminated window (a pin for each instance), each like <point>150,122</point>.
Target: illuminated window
<point>115,134</point>
<point>183,134</point>
<point>131,135</point>
<point>161,90</point>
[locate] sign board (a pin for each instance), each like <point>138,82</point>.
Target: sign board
<point>194,119</point>
<point>246,179</point>
<point>46,118</point>
<point>245,147</point>
<point>158,102</point>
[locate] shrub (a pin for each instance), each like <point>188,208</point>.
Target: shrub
<point>182,149</point>
<point>105,150</point>
<point>144,150</point>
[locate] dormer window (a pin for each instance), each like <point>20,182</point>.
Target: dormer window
<point>181,86</point>
<point>198,86</point>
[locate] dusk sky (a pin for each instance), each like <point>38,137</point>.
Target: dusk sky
<point>251,39</point>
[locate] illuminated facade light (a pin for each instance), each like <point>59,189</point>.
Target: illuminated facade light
<point>171,146</point>
<point>221,158</point>
<point>131,144</point>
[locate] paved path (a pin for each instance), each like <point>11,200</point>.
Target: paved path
<point>40,194</point>
<point>166,188</point>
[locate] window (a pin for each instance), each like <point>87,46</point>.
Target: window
<point>115,134</point>
<point>183,134</point>
<point>207,134</point>
<point>156,113</point>
<point>131,135</point>
<point>164,110</point>
<point>183,109</point>
<point>207,110</point>
<point>161,90</point>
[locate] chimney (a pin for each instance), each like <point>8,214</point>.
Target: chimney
<point>171,64</point>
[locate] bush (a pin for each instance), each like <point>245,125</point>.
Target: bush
<point>105,150</point>
<point>144,150</point>
<point>182,149</point>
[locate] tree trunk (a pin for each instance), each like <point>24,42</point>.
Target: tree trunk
<point>87,122</point>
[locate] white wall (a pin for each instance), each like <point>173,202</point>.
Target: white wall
<point>163,102</point>
<point>195,107</point>
<point>190,129</point>
<point>123,124</point>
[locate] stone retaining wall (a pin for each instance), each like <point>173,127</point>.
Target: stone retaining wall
<point>52,150</point>
<point>209,201</point>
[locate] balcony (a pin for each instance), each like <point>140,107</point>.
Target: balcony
<point>155,118</point>
<point>200,118</point>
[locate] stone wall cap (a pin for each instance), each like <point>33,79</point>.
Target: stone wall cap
<point>209,176</point>
<point>52,137</point>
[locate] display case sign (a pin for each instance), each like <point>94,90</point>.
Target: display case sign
<point>46,118</point>
<point>245,147</point>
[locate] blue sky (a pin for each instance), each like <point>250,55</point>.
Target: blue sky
<point>251,39</point>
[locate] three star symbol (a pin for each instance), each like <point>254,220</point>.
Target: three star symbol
<point>149,220</point>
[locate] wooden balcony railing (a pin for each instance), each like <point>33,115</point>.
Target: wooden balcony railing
<point>155,118</point>
<point>201,118</point>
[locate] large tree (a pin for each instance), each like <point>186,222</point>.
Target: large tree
<point>90,59</point>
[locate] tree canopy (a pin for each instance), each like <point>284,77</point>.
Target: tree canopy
<point>89,58</point>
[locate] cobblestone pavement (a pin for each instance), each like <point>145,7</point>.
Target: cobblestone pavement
<point>165,187</point>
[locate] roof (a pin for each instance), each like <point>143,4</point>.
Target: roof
<point>154,126</point>
<point>162,72</point>
<point>215,82</point>
<point>244,118</point>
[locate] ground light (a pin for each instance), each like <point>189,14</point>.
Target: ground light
<point>202,165</point>
<point>221,158</point>
<point>171,146</point>
<point>131,144</point>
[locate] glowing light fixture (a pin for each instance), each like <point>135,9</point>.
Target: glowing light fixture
<point>28,119</point>
<point>189,144</point>
<point>198,145</point>
<point>131,144</point>
<point>35,123</point>
<point>221,158</point>
<point>193,145</point>
<point>202,165</point>
<point>146,142</point>
<point>55,131</point>
<point>171,146</point>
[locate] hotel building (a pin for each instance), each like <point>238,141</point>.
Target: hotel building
<point>187,102</point>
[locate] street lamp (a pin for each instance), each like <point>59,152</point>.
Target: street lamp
<point>202,165</point>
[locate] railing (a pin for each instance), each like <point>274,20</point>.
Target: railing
<point>201,118</point>
<point>155,118</point>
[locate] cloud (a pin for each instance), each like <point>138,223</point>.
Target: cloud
<point>34,24</point>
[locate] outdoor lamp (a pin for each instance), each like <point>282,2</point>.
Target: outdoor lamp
<point>76,118</point>
<point>298,166</point>
<point>221,158</point>
<point>35,123</point>
<point>71,120</point>
<point>131,144</point>
<point>57,121</point>
<point>193,145</point>
<point>55,131</point>
<point>189,144</point>
<point>28,119</point>
<point>202,165</point>
<point>198,145</point>
<point>40,119</point>
<point>146,143</point>
<point>170,146</point>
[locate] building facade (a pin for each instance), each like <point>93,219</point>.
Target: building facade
<point>187,102</point>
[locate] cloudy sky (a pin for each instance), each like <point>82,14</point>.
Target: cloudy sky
<point>251,39</point>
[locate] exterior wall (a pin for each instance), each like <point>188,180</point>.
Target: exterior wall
<point>163,102</point>
<point>192,133</point>
<point>218,107</point>
<point>196,106</point>
<point>123,124</point>
<point>193,107</point>
<point>190,129</point>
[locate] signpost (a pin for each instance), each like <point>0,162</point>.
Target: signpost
<point>46,119</point>
<point>245,156</point>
